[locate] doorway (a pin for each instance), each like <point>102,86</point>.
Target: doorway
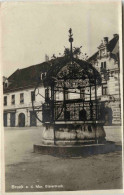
<point>5,119</point>
<point>21,120</point>
<point>108,116</point>
<point>12,119</point>
<point>32,119</point>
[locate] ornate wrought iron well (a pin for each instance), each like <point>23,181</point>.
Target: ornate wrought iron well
<point>71,112</point>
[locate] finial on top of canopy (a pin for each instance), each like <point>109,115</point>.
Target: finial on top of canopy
<point>71,40</point>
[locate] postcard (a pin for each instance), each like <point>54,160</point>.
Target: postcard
<point>62,71</point>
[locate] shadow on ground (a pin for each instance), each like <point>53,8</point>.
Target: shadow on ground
<point>75,151</point>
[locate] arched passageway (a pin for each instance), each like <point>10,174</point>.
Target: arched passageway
<point>108,116</point>
<point>21,120</point>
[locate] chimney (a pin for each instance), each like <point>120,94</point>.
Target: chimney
<point>105,40</point>
<point>46,58</point>
<point>115,35</point>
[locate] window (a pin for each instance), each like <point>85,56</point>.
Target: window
<point>46,94</point>
<point>43,75</point>
<point>89,128</point>
<point>82,93</point>
<point>104,90</point>
<point>5,100</point>
<point>21,98</point>
<point>13,99</point>
<point>32,96</point>
<point>5,85</point>
<point>103,65</point>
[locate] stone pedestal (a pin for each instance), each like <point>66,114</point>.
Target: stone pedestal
<point>48,135</point>
<point>73,134</point>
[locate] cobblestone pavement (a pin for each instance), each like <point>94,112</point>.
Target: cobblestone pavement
<point>26,171</point>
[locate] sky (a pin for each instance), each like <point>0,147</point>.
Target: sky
<point>32,29</point>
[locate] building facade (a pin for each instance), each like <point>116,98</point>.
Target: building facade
<point>21,88</point>
<point>106,61</point>
<point>18,95</point>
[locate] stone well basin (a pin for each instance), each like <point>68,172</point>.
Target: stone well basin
<point>64,135</point>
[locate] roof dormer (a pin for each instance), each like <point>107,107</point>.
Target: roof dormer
<point>103,48</point>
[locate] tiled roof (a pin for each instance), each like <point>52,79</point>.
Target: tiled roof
<point>112,43</point>
<point>26,77</point>
<point>93,57</point>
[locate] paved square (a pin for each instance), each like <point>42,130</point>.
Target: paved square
<point>27,171</point>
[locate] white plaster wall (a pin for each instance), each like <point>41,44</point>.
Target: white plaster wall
<point>25,112</point>
<point>25,107</point>
<point>27,98</point>
<point>74,95</point>
<point>99,91</point>
<point>59,96</point>
<point>110,63</point>
<point>113,86</point>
